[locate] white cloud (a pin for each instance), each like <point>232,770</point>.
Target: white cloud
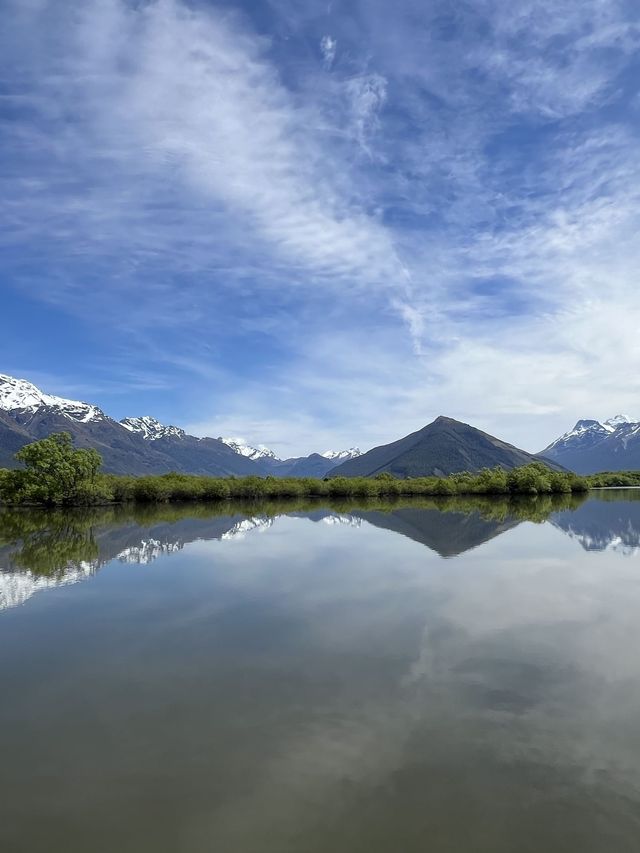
<point>367,93</point>
<point>328,47</point>
<point>162,92</point>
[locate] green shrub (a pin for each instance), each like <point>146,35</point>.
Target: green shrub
<point>215,489</point>
<point>54,473</point>
<point>151,489</point>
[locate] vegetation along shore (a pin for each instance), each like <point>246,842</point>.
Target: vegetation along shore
<point>55,473</point>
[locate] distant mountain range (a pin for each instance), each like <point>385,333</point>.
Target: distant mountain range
<point>143,445</point>
<point>138,445</point>
<point>314,465</point>
<point>592,446</point>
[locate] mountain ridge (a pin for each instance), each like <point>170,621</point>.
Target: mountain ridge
<point>137,445</point>
<point>445,446</point>
<point>592,446</point>
<point>143,445</point>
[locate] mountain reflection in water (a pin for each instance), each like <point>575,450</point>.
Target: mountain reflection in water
<point>609,522</point>
<point>42,549</point>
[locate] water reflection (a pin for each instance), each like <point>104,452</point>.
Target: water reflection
<point>42,549</point>
<point>610,521</point>
<point>302,679</point>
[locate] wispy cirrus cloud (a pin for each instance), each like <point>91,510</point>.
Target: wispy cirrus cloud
<point>163,93</point>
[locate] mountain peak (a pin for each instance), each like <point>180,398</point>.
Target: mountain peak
<point>618,420</point>
<point>20,395</point>
<point>240,446</point>
<point>352,453</point>
<point>587,423</point>
<point>445,421</point>
<point>445,446</point>
<point>612,445</point>
<point>151,429</point>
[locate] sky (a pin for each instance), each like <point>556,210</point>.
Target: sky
<point>323,224</point>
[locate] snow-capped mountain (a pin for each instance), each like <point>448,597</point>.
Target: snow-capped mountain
<point>150,428</point>
<point>618,420</point>
<point>591,446</point>
<point>19,395</point>
<point>585,433</point>
<point>313,465</point>
<point>140,445</point>
<point>133,447</point>
<point>240,446</point>
<point>342,455</point>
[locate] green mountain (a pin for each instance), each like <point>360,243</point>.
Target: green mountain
<point>443,447</point>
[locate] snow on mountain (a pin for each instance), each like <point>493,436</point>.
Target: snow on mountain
<point>262,452</point>
<point>611,445</point>
<point>244,449</point>
<point>21,395</point>
<point>584,432</point>
<point>150,428</point>
<point>617,420</point>
<point>342,455</point>
<point>589,432</point>
<point>24,400</point>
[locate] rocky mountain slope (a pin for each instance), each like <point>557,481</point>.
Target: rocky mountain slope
<point>143,445</point>
<point>138,445</point>
<point>591,446</point>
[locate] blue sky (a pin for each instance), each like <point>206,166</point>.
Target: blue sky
<point>315,225</point>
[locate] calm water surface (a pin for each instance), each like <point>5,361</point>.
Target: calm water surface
<point>460,677</point>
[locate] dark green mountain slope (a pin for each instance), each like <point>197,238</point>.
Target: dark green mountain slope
<point>443,447</point>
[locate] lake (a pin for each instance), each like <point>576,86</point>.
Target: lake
<point>454,676</point>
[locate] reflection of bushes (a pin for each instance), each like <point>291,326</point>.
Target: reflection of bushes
<point>615,495</point>
<point>49,541</point>
<point>536,508</point>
